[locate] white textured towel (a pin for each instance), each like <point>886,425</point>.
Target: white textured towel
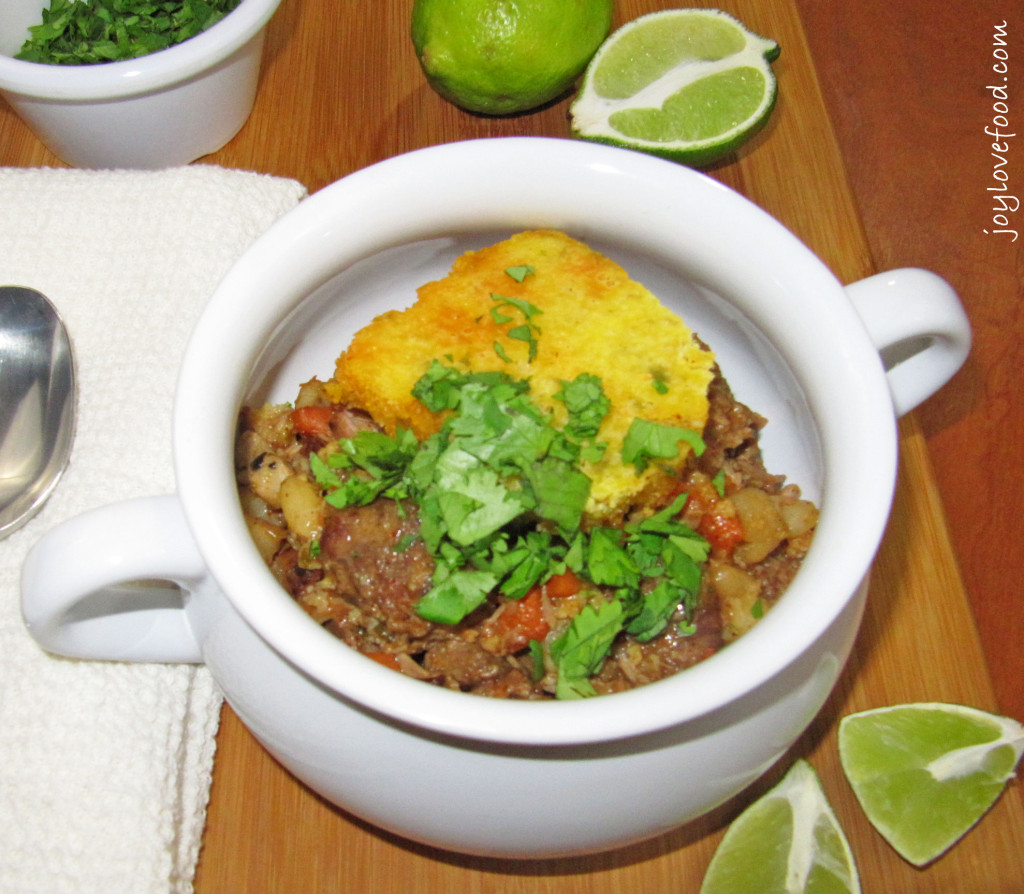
<point>105,767</point>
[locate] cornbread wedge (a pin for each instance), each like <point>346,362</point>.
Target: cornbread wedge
<point>577,312</point>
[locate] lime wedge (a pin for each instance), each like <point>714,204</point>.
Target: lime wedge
<point>786,842</point>
<point>926,773</point>
<point>691,85</point>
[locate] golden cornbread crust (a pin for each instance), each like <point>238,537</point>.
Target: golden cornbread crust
<point>594,319</point>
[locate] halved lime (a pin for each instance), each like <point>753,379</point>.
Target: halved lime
<point>926,773</point>
<point>787,842</point>
<point>691,85</point>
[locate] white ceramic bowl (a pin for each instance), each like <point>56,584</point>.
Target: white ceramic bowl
<point>468,773</point>
<point>165,109</point>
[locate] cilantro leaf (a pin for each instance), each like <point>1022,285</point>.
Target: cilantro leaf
<point>378,453</point>
<point>525,564</point>
<point>658,606</point>
<point>527,332</point>
<point>719,482</point>
<point>587,404</point>
<point>690,544</point>
<point>472,500</point>
<point>664,546</point>
<point>608,562</point>
<point>521,272</point>
<point>528,310</point>
<point>458,594</point>
<point>524,333</point>
<point>502,428</point>
<point>322,473</point>
<point>537,659</point>
<point>665,521</point>
<point>439,387</point>
<point>560,491</point>
<point>580,652</point>
<point>377,462</point>
<point>647,440</point>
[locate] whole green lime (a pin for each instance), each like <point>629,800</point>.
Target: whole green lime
<point>500,57</point>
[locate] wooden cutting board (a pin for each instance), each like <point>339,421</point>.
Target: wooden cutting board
<point>341,90</point>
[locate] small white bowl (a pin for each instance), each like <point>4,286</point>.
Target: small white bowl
<point>160,110</point>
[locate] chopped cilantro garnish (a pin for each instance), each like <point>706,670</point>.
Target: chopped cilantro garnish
<point>647,440</point>
<point>405,542</point>
<point>658,606</point>
<point>500,351</point>
<point>579,653</point>
<point>658,382</point>
<point>528,310</point>
<point>559,490</point>
<point>498,466</point>
<point>537,659</point>
<point>497,460</point>
<point>527,332</point>
<point>668,551</point>
<point>322,473</point>
<point>587,404</point>
<point>719,482</point>
<point>520,273</point>
<point>438,388</point>
<point>461,591</point>
<point>84,32</point>
<point>523,564</point>
<point>378,460</point>
<point>473,501</point>
<point>608,562</point>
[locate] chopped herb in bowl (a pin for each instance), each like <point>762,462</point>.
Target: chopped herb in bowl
<point>87,32</point>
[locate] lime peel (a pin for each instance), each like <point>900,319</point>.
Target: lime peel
<point>505,57</point>
<point>926,773</point>
<point>691,85</point>
<point>789,840</point>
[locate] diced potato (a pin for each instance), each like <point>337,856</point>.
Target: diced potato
<point>800,517</point>
<point>763,525</point>
<point>738,593</point>
<point>759,514</point>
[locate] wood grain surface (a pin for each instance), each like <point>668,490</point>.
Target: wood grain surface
<point>910,116</point>
<point>876,157</point>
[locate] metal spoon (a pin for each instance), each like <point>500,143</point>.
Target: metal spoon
<point>37,403</point>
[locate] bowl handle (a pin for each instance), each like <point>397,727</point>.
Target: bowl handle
<point>113,582</point>
<point>919,326</point>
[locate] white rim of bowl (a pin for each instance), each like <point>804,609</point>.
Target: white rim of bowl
<point>847,538</point>
<point>113,80</point>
